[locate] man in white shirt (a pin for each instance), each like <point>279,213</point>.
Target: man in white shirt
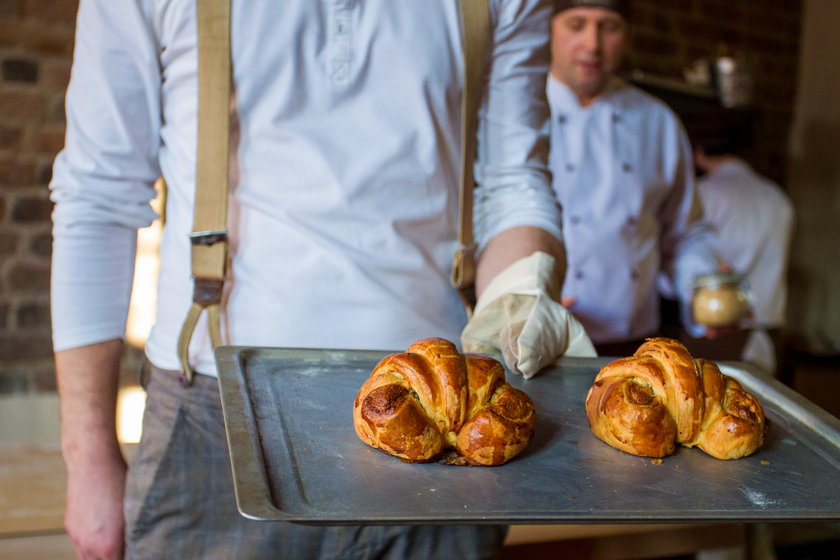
<point>753,220</point>
<point>342,228</point>
<point>624,177</point>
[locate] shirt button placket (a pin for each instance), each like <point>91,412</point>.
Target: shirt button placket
<point>626,166</point>
<point>339,39</point>
<point>561,121</point>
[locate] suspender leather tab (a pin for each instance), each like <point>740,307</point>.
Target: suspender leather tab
<point>207,291</point>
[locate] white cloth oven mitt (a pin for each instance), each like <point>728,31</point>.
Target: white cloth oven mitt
<point>519,315</point>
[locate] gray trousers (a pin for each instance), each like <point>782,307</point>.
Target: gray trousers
<point>180,502</point>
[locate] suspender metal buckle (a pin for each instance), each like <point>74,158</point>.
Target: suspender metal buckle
<point>463,266</point>
<point>208,237</point>
<point>463,276</point>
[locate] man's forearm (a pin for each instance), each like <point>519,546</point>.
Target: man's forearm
<point>88,378</point>
<point>512,245</point>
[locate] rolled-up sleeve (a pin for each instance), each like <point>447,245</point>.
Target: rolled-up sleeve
<point>103,179</point>
<point>514,183</point>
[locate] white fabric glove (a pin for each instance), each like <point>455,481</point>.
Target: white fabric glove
<point>519,316</point>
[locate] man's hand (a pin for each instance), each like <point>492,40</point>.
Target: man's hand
<point>87,385</point>
<point>94,514</point>
<point>519,315</point>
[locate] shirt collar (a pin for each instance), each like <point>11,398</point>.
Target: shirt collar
<point>732,166</point>
<point>562,99</point>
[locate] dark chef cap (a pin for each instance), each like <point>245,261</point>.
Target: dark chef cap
<point>620,6</point>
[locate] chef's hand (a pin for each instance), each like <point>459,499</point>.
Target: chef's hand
<point>519,316</point>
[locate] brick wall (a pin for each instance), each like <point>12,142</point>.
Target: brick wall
<point>36,38</point>
<point>669,35</point>
<point>36,43</point>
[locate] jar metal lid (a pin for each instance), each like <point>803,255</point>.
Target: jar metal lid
<point>720,279</point>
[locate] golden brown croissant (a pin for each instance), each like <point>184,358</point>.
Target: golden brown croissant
<point>422,402</point>
<point>660,396</point>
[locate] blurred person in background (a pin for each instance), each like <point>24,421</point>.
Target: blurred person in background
<point>753,220</point>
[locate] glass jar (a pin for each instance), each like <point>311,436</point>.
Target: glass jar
<point>720,300</point>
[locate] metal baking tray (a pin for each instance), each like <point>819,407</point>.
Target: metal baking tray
<point>296,456</point>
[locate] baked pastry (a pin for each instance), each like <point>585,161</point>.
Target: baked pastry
<point>661,396</point>
<point>421,403</point>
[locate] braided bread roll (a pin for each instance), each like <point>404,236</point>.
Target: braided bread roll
<point>419,403</point>
<point>661,396</point>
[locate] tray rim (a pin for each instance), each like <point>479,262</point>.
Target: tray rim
<point>245,464</point>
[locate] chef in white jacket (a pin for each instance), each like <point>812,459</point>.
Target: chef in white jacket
<point>623,173</point>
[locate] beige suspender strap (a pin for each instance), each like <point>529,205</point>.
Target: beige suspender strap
<point>209,237</point>
<point>475,30</point>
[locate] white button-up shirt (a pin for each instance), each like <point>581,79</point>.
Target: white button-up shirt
<point>753,220</point>
<point>624,176</point>
<point>343,198</point>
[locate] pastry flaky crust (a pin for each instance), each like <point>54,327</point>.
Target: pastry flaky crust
<point>419,403</point>
<point>661,396</point>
